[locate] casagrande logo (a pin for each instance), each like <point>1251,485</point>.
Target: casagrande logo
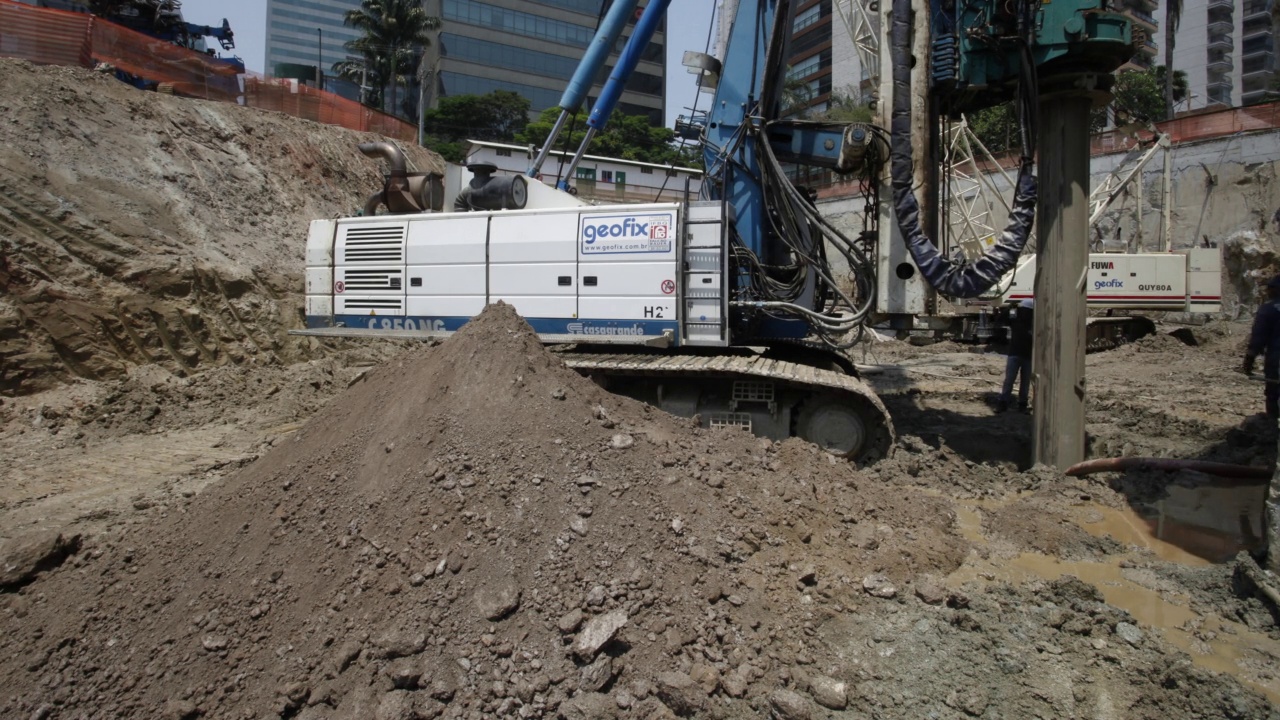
<point>584,329</point>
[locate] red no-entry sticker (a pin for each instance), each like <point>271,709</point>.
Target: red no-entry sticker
<point>668,287</point>
<point>339,286</point>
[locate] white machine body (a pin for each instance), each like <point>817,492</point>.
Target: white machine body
<point>625,274</point>
<point>1188,281</point>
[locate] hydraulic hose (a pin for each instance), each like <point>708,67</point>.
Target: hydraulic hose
<point>955,279</point>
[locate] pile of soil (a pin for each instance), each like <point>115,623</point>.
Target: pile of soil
<point>140,228</point>
<point>455,525</point>
<point>473,530</point>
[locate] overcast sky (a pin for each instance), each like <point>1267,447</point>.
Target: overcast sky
<point>687,25</point>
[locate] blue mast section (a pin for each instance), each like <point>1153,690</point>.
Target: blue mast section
<point>627,62</point>
<point>584,77</point>
<point>732,166</point>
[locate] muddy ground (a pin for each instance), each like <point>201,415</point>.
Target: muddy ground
<point>471,530</point>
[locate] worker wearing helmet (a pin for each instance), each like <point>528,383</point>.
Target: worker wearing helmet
<point>1265,340</point>
<point>1021,333</point>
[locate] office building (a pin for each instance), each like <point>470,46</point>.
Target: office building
<point>304,32</point>
<point>530,47</point>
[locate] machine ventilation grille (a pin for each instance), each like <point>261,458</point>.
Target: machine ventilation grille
<point>379,279</point>
<point>374,244</point>
<point>372,304</point>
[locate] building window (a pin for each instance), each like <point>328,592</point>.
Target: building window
<point>606,176</point>
<point>646,171</point>
<point>519,23</point>
<point>805,67</point>
<point>586,173</point>
<point>503,152</point>
<point>807,18</point>
<point>671,172</point>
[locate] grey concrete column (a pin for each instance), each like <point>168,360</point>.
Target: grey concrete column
<point>1062,255</point>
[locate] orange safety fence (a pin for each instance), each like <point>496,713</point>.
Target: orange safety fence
<point>293,98</point>
<point>55,37</point>
<point>49,37</point>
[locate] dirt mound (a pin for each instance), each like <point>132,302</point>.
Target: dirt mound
<point>474,529</point>
<point>140,228</point>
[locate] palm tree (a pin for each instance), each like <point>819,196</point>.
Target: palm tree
<point>1172,17</point>
<point>396,32</point>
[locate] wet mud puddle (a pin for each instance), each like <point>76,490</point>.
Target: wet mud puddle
<point>1192,526</point>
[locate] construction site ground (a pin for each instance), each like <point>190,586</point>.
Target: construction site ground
<point>269,526</point>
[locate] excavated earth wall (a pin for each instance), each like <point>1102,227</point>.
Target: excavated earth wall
<point>140,228</point>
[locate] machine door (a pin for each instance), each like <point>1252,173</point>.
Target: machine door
<point>533,266</point>
<point>627,270</point>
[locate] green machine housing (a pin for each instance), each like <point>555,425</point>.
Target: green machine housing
<point>979,46</point>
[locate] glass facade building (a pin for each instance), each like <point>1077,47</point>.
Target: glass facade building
<point>304,32</point>
<point>531,47</point>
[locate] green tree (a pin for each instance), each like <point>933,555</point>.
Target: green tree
<point>996,127</point>
<point>846,105</point>
<point>498,116</point>
<point>627,137</point>
<point>395,34</point>
<point>1140,94</point>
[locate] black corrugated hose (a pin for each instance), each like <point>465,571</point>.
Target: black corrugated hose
<point>960,279</point>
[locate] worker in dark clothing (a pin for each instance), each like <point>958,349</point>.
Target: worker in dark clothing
<point>1265,341</point>
<point>1021,333</point>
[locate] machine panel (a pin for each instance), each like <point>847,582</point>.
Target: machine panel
<point>448,240</point>
<point>447,280</point>
<point>533,238</point>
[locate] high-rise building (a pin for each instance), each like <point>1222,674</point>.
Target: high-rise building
<point>307,32</point>
<point>1227,48</point>
<point>530,47</point>
<point>1145,31</point>
<point>1259,69</point>
<point>809,79</point>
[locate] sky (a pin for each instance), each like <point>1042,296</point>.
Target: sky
<point>687,25</point>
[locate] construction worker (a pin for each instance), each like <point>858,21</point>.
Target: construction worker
<point>1021,333</point>
<point>1265,340</point>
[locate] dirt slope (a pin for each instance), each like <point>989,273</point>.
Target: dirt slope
<point>140,228</point>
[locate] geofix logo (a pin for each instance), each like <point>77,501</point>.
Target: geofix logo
<point>628,228</point>
<point>627,234</point>
<point>1104,284</point>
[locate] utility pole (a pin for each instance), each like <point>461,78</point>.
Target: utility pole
<point>1062,256</point>
<point>423,75</point>
<point>364,83</point>
<point>320,58</point>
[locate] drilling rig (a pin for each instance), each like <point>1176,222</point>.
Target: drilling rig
<point>725,306</point>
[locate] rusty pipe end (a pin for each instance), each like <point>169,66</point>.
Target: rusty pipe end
<point>388,152</point>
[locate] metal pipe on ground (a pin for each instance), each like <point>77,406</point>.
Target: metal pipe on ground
<point>1227,470</point>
